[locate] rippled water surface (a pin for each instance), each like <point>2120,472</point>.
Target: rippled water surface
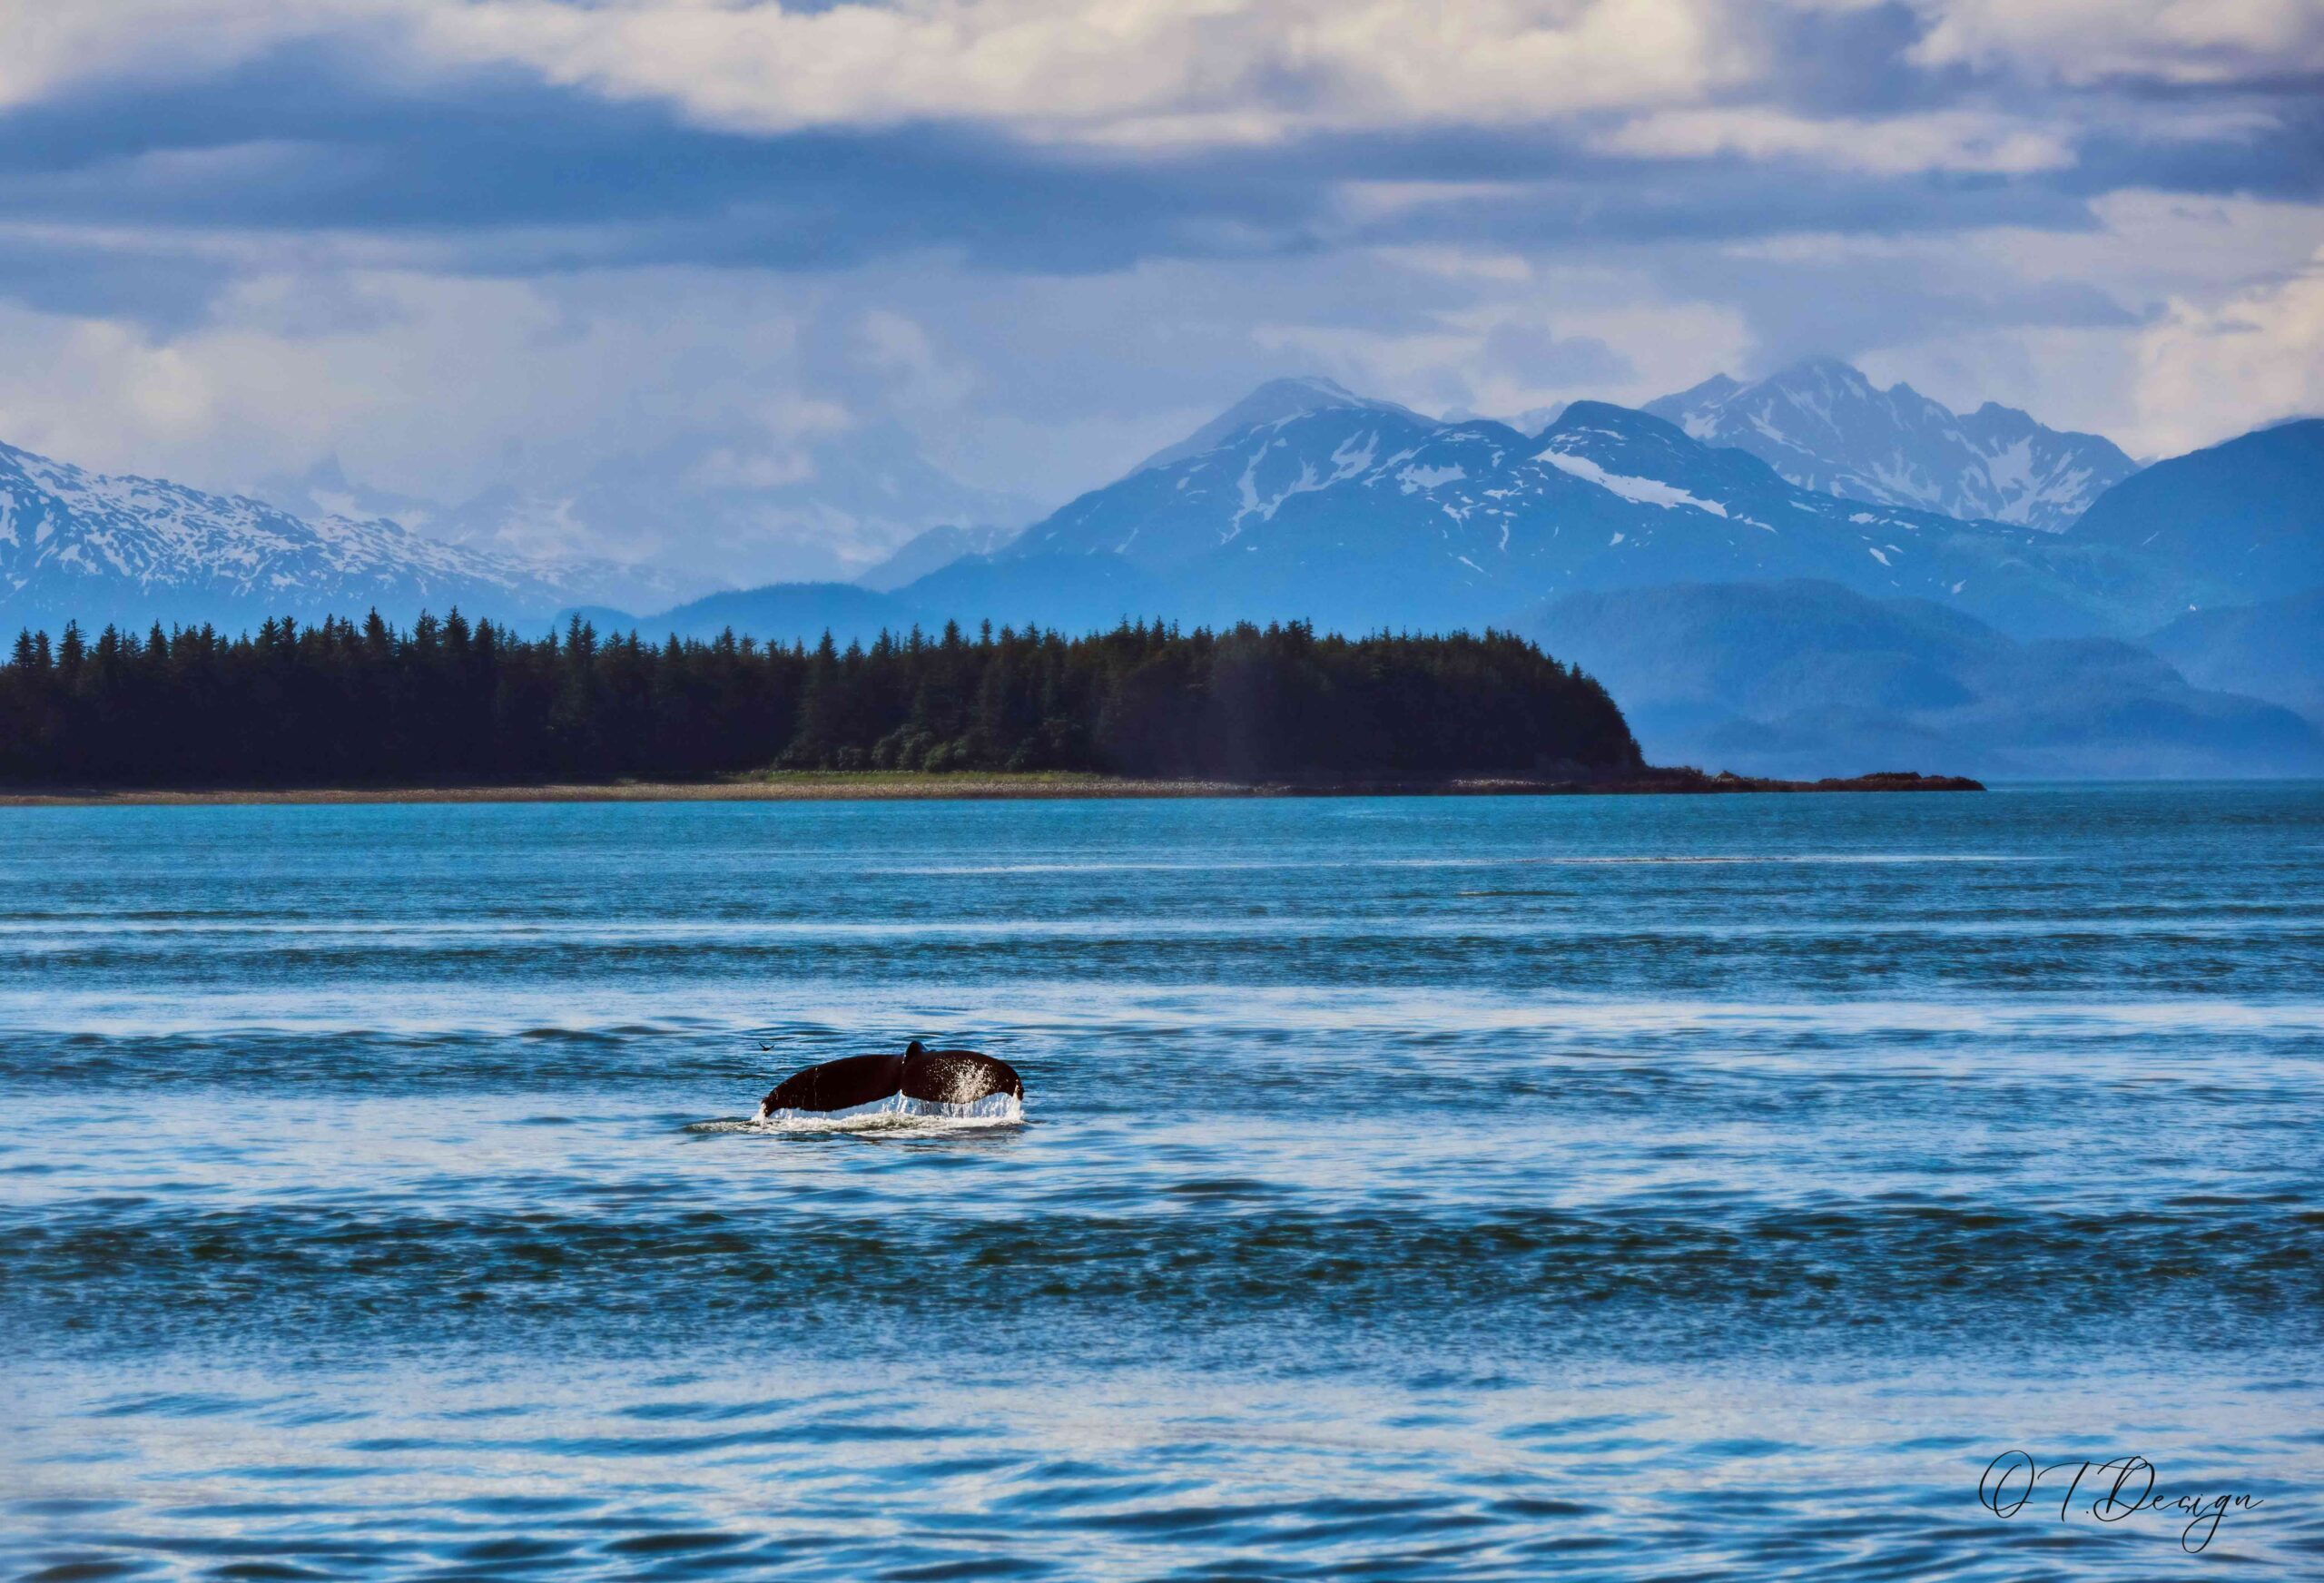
<point>1508,1188</point>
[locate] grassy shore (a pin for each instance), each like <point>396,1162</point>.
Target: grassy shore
<point>779,786</point>
<point>901,786</point>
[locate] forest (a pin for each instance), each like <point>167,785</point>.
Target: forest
<point>348,703</point>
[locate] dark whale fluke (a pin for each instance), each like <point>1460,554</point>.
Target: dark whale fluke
<point>920,1082</point>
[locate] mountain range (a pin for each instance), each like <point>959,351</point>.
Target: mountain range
<point>1781,678</point>
<point>1305,500</point>
<point>1824,425</point>
<point>1367,516</point>
<point>87,546</point>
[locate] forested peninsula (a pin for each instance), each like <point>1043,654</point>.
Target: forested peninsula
<point>343,703</point>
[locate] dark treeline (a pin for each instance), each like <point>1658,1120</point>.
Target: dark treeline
<point>343,703</point>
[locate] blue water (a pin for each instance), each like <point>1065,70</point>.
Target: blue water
<point>1443,1189</point>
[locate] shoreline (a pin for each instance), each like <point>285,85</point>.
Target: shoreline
<point>879,786</point>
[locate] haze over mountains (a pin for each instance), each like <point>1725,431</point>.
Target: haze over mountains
<point>86,547</point>
<point>718,508</point>
<point>1773,678</point>
<point>1781,577</point>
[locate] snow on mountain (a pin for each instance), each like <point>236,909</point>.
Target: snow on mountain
<point>1824,425</point>
<point>1364,513</point>
<point>86,547</point>
<point>1303,436</point>
<point>1277,402</point>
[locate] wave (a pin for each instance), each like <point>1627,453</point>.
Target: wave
<point>800,1018</point>
<point>1319,864</point>
<point>1541,1279</point>
<point>898,1112</point>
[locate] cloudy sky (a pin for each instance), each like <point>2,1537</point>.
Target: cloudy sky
<point>465,243</point>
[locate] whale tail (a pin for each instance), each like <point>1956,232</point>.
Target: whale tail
<point>945,1082</point>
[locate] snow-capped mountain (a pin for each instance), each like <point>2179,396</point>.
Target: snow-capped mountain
<point>1824,425</point>
<point>1274,404</point>
<point>86,547</point>
<point>1184,502</point>
<point>1365,514</point>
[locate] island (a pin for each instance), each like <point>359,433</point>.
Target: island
<point>346,711</point>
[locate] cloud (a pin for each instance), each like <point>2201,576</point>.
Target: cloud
<point>463,243</point>
<point>1561,334</point>
<point>524,137</point>
<point>920,378</point>
<point>427,385</point>
<point>1159,73</point>
<point>2051,321</point>
<point>2183,42</point>
<point>2207,371</point>
<point>1536,355</point>
<point>46,47</point>
<point>1942,141</point>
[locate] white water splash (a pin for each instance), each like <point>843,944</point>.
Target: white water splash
<point>899,1111</point>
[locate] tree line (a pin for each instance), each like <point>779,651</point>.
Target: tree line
<point>341,703</point>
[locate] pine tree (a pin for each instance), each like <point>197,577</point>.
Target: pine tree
<point>333,703</point>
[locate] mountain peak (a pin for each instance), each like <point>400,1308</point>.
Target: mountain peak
<point>1824,425</point>
<point>1329,392</point>
<point>1718,388</point>
<point>1607,414</point>
<point>1823,366</point>
<point>1276,401</point>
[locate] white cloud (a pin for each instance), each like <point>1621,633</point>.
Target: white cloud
<point>1458,263</point>
<point>1152,73</point>
<point>1950,140</point>
<point>1159,74</point>
<point>1142,73</point>
<point>2180,268</point>
<point>2209,371</point>
<point>2147,245</point>
<point>1668,345</point>
<point>919,378</point>
<point>1449,363</point>
<point>427,385</point>
<point>2089,41</point>
<point>46,44</point>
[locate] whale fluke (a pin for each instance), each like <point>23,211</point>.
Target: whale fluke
<point>921,1081</point>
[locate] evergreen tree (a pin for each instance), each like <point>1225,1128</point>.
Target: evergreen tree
<point>456,701</point>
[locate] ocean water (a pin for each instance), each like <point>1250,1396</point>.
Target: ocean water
<point>1440,1189</point>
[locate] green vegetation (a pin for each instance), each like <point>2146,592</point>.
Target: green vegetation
<point>449,701</point>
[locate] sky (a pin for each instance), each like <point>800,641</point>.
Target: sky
<point>463,244</point>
